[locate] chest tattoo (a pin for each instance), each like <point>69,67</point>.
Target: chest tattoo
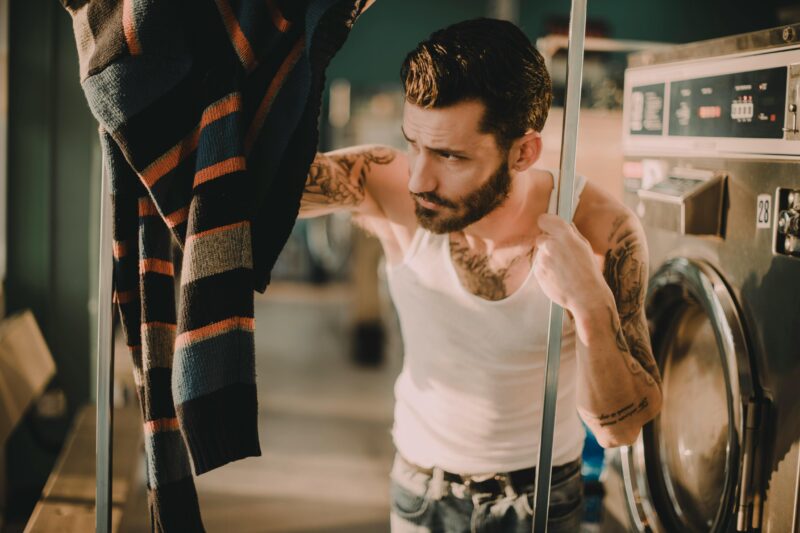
<point>478,276</point>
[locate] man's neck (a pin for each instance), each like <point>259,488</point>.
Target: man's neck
<point>514,222</point>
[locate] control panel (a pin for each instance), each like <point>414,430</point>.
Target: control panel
<point>647,110</point>
<point>745,104</point>
<point>715,106</point>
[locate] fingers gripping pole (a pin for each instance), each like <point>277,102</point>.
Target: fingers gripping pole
<point>565,188</point>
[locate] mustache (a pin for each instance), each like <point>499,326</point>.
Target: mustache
<point>434,199</point>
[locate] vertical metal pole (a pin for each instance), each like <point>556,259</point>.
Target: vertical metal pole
<point>5,24</point>
<point>105,362</point>
<point>565,188</point>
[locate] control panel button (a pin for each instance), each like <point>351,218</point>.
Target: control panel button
<point>787,227</point>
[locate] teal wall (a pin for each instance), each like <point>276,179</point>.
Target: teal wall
<point>391,28</point>
<point>51,137</point>
<point>51,165</point>
<point>673,21</point>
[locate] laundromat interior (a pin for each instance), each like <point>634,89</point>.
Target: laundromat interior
<point>216,312</point>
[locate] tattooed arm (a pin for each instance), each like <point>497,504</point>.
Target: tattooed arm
<point>619,382</point>
<point>625,271</point>
<point>346,179</point>
<point>618,386</point>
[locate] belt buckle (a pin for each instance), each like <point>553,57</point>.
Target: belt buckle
<point>477,497</point>
<point>503,480</point>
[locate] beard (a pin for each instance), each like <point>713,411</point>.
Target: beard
<point>474,206</point>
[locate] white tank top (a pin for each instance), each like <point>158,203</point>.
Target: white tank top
<point>469,397</point>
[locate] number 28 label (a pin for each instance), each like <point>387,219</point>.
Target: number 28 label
<point>764,211</point>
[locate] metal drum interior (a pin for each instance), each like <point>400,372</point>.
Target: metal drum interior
<point>685,465</point>
<point>691,435</point>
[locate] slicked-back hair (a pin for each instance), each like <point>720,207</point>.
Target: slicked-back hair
<point>491,61</point>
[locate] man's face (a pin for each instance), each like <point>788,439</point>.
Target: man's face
<point>457,174</point>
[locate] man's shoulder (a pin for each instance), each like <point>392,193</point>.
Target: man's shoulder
<point>370,180</point>
<point>387,186</point>
<point>388,213</point>
<point>601,219</point>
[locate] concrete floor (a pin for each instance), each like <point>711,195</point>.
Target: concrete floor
<point>324,425</point>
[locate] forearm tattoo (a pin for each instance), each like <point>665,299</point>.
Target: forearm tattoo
<point>341,179</point>
<point>620,415</point>
<point>625,274</point>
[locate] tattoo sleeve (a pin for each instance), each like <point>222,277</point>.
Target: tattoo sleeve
<point>626,275</point>
<point>620,415</point>
<point>340,179</point>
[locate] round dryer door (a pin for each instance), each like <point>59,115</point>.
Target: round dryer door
<point>682,473</point>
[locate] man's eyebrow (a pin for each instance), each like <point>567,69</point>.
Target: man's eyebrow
<point>442,150</point>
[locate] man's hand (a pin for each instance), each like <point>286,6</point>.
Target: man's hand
<point>567,270</point>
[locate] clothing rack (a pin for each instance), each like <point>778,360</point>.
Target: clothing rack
<point>565,191</point>
<point>105,362</point>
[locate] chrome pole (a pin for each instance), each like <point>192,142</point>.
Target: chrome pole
<point>105,362</point>
<point>565,189</point>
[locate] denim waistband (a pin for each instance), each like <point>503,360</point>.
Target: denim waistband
<point>498,482</point>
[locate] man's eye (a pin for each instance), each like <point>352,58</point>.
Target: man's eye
<point>449,156</point>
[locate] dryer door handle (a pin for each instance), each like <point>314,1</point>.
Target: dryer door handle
<point>748,512</point>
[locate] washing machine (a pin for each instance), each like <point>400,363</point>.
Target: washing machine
<point>712,167</point>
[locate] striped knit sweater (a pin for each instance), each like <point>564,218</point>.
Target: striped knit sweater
<point>208,124</point>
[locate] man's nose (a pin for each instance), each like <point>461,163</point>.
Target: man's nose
<point>421,176</point>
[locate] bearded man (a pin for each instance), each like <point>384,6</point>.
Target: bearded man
<point>474,255</point>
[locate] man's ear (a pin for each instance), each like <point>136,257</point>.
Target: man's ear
<point>525,151</point>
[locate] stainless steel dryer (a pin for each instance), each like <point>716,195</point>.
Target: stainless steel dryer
<point>712,167</point>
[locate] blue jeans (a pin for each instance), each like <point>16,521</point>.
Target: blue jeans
<point>425,503</point>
